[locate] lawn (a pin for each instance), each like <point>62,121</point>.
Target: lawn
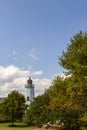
<point>5,126</point>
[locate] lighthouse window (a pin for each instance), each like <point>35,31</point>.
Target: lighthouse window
<point>27,98</point>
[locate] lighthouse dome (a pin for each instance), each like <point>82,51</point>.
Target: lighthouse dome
<point>29,81</point>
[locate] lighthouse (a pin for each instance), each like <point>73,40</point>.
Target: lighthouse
<point>30,90</point>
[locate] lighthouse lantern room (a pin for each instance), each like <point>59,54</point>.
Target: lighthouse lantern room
<point>30,90</point>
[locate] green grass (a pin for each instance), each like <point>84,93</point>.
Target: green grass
<point>5,126</point>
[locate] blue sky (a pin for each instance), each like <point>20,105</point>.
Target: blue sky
<point>33,33</point>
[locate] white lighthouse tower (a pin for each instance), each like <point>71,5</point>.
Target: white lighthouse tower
<point>30,90</point>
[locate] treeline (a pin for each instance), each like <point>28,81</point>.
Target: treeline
<point>66,98</point>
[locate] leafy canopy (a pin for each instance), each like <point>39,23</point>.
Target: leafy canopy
<point>13,107</point>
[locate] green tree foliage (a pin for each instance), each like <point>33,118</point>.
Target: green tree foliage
<point>66,99</point>
<point>75,61</point>
<point>13,107</point>
<point>62,95</point>
<point>69,95</point>
<point>75,58</point>
<point>38,112</point>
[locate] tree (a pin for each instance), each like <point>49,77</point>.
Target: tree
<point>67,97</point>
<point>61,100</point>
<point>13,107</point>
<point>74,60</point>
<point>38,112</point>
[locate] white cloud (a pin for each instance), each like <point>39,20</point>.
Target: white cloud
<point>10,72</point>
<point>13,78</point>
<point>63,75</point>
<point>41,85</point>
<point>14,54</point>
<point>33,54</point>
<point>37,72</point>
